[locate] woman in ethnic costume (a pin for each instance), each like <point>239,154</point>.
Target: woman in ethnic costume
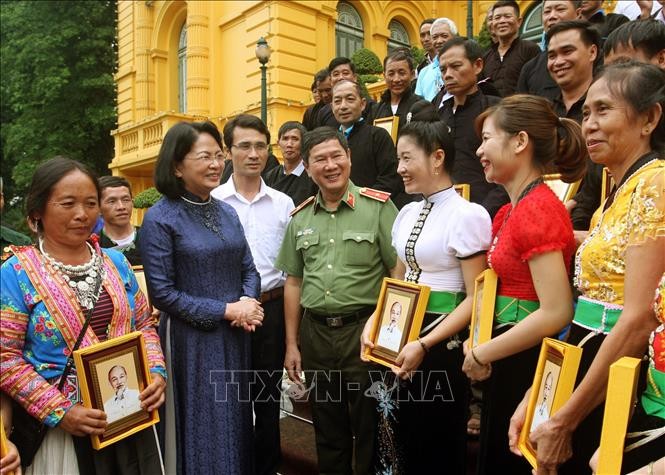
<point>201,276</point>
<point>46,291</point>
<point>441,242</point>
<point>618,267</point>
<point>531,252</point>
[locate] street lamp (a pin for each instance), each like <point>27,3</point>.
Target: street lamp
<point>263,55</point>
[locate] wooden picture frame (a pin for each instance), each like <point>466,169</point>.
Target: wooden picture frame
<point>553,384</point>
<point>564,191</point>
<point>4,448</point>
<point>99,369</point>
<point>400,311</point>
<point>619,403</point>
<point>484,302</point>
<point>389,124</point>
<point>143,284</point>
<point>464,190</point>
<point>606,186</point>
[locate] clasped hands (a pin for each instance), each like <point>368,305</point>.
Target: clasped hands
<point>246,314</point>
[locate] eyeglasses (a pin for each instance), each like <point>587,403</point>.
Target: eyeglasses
<point>247,146</point>
<point>113,201</point>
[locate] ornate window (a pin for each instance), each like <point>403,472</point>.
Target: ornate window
<point>532,26</point>
<point>182,70</point>
<point>399,38</point>
<point>349,34</point>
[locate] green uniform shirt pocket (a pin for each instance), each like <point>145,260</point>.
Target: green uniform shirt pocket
<point>307,245</point>
<point>358,248</point>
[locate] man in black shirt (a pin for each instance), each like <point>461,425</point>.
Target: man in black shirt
<point>641,40</point>
<point>504,60</point>
<point>535,78</point>
<point>323,87</point>
<point>116,206</point>
<point>373,155</point>
<point>571,53</point>
<point>426,42</point>
<point>591,10</point>
<point>290,177</point>
<point>461,62</point>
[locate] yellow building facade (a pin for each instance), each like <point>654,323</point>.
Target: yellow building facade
<point>190,60</point>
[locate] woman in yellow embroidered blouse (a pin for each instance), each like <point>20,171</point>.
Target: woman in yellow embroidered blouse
<point>619,265</point>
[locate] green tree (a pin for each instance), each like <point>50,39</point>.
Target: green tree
<point>57,89</point>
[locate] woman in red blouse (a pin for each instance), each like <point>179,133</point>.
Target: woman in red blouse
<point>531,252</point>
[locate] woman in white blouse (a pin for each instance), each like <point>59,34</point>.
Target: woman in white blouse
<point>441,242</point>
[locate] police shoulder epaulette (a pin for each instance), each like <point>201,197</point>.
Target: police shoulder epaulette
<point>378,195</point>
<point>302,205</point>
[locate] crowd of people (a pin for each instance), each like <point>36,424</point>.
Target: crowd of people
<point>257,268</point>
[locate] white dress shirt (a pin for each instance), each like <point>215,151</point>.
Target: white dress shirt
<point>264,220</point>
<point>454,229</point>
<point>122,405</point>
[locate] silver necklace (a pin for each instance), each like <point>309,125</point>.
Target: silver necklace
<point>82,279</point>
<point>196,203</point>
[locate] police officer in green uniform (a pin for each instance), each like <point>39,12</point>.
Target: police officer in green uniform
<point>8,236</point>
<point>336,251</point>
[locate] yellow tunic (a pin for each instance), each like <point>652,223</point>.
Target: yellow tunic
<point>637,214</point>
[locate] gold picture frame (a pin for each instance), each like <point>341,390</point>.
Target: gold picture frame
<point>390,125</point>
<point>606,186</point>
<point>400,311</point>
<point>100,370</point>
<point>484,301</point>
<point>564,191</point>
<point>143,284</point>
<point>553,384</point>
<point>621,396</point>
<point>464,190</point>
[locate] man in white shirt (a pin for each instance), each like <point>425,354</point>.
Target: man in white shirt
<point>125,400</point>
<point>390,335</point>
<point>542,411</point>
<point>264,214</point>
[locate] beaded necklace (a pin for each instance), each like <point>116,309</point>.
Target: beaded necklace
<point>82,278</point>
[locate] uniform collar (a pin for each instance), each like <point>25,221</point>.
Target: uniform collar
<point>349,198</point>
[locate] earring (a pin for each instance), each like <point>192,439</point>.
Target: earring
<point>436,172</point>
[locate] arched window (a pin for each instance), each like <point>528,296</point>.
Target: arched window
<point>182,70</point>
<point>532,26</point>
<point>399,38</point>
<point>349,32</point>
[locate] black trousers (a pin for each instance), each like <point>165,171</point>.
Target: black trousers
<point>135,455</point>
<point>267,363</point>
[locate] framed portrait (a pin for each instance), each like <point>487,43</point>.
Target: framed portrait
<point>563,191</point>
<point>143,285</point>
<point>400,310</point>
<point>606,186</point>
<point>111,376</point>
<point>482,315</point>
<point>619,403</point>
<point>464,190</point>
<point>390,124</point>
<point>553,384</point>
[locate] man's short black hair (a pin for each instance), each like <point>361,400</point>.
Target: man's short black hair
<point>472,50</point>
<point>244,121</point>
<point>339,61</point>
<point>321,76</point>
<point>113,182</point>
<point>426,21</point>
<point>646,35</point>
<point>401,54</point>
<point>356,86</point>
<point>588,34</point>
<point>290,125</point>
<point>318,136</point>
<point>507,3</point>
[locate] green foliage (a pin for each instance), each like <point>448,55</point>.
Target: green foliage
<point>147,198</point>
<point>418,55</point>
<point>369,78</point>
<point>484,39</point>
<point>366,62</point>
<point>57,90</point>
